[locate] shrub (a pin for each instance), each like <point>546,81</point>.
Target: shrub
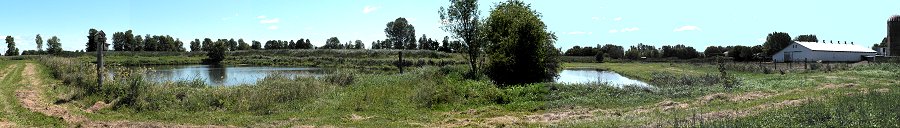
<point>599,57</point>
<point>519,46</point>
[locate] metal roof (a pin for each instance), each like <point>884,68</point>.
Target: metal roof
<point>835,47</point>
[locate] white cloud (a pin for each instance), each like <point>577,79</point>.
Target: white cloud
<point>577,33</point>
<point>269,21</point>
<point>630,29</point>
<point>618,19</point>
<point>687,28</point>
<point>273,27</point>
<point>367,9</point>
<point>624,30</point>
<point>261,17</point>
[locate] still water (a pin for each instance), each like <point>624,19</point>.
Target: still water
<point>225,75</point>
<point>588,76</point>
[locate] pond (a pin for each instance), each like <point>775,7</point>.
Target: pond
<point>225,75</point>
<point>590,75</point>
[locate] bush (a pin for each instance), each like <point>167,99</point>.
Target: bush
<point>599,57</point>
<point>519,47</point>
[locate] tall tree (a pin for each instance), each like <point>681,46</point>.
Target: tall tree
<point>138,43</point>
<point>118,41</point>
<point>216,52</point>
<point>232,45</point>
<point>776,41</point>
<point>53,45</point>
<point>207,43</point>
<point>401,33</point>
<point>90,44</point>
<point>332,43</point>
<point>461,19</point>
<point>256,45</point>
<point>11,49</point>
<point>358,44</point>
<point>519,47</point>
<point>445,45</point>
<point>130,43</point>
<point>423,43</point>
<point>243,45</point>
<point>807,38</point>
<point>195,45</point>
<point>40,42</point>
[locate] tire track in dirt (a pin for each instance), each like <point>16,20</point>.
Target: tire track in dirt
<point>31,98</point>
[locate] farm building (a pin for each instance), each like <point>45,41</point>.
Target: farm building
<point>827,52</point>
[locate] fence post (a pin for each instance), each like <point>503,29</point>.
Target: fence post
<point>400,62</point>
<point>100,41</point>
<point>806,63</point>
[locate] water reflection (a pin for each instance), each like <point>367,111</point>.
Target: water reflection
<point>225,75</point>
<point>587,76</point>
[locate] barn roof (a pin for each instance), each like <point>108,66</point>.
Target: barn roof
<point>836,47</point>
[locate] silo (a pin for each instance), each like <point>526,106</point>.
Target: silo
<point>893,37</point>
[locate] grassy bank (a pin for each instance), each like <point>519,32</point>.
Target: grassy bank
<point>438,96</point>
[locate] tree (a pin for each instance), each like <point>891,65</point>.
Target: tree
<point>714,51</point>
<point>599,57</point>
<point>376,45</point>
<point>90,44</point>
<point>401,33</point>
<point>358,44</point>
<point>461,19</point>
<point>613,51</point>
<point>138,43</point>
<point>519,47</point>
<point>232,45</point>
<point>11,49</point>
<point>195,45</point>
<point>216,52</point>
<point>332,43</point>
<point>40,42</point>
<point>423,43</point>
<point>445,45</point>
<point>807,38</point>
<point>118,41</point>
<point>243,45</point>
<point>776,41</point>
<point>130,42</point>
<point>256,45</point>
<point>53,45</point>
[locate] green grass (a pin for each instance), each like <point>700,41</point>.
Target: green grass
<point>10,108</point>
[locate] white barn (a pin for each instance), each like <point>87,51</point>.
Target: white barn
<point>828,52</point>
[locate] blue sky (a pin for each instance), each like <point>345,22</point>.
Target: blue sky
<point>697,23</point>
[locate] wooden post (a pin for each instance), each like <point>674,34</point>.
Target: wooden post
<point>806,63</point>
<point>400,62</point>
<point>100,40</point>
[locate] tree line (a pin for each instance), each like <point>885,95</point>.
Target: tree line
<point>53,46</point>
<point>775,42</point>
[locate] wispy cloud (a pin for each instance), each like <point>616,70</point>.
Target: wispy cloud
<point>367,9</point>
<point>631,29</point>
<point>687,28</point>
<point>273,27</point>
<point>261,17</point>
<point>617,19</point>
<point>270,21</point>
<point>579,33</point>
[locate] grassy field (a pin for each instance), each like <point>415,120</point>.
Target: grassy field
<point>685,95</point>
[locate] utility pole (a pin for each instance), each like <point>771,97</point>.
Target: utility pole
<point>100,41</point>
